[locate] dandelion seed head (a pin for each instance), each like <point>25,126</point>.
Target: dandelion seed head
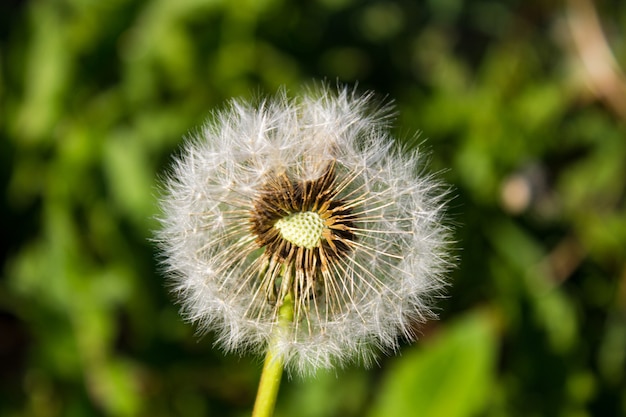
<point>307,197</point>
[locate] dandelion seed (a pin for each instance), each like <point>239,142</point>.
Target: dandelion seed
<point>308,199</point>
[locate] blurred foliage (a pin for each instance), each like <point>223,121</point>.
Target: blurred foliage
<point>97,95</point>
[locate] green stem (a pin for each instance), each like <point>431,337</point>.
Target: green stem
<point>273,366</point>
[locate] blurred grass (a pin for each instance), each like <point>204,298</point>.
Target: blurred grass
<point>96,96</point>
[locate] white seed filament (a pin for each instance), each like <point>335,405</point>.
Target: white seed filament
<point>303,229</point>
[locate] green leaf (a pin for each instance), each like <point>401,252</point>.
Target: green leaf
<point>451,376</point>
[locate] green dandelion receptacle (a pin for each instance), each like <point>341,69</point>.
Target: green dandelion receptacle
<point>303,229</point>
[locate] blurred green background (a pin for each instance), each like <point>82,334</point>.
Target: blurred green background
<point>521,104</point>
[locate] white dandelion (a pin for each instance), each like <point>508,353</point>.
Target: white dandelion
<point>306,201</point>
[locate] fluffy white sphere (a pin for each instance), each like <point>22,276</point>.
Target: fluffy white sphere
<point>305,197</point>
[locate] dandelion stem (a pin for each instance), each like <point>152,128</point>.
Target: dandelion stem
<point>273,366</point>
